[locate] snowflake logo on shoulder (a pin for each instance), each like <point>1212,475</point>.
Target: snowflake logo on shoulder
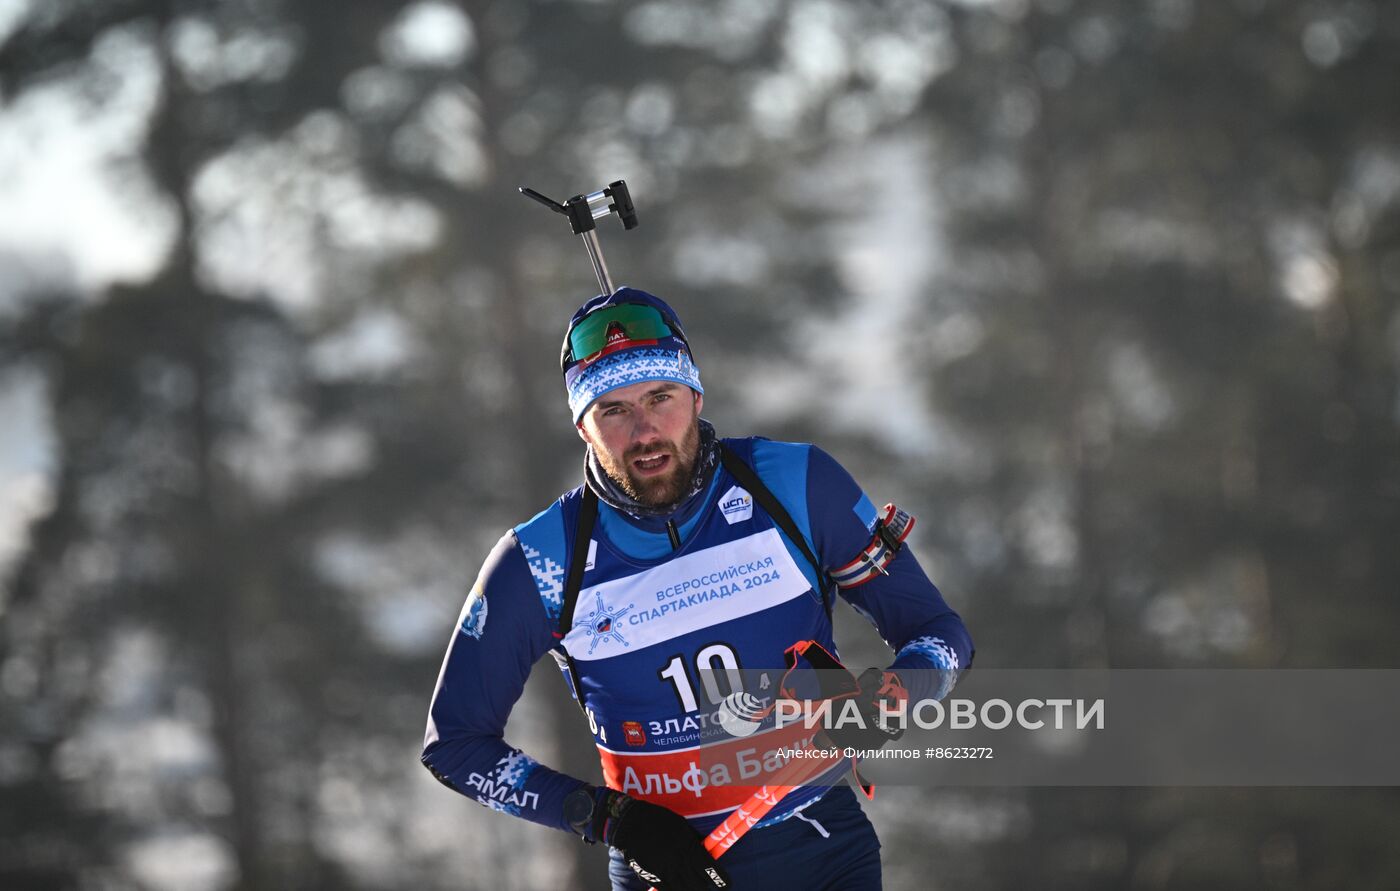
<point>602,623</point>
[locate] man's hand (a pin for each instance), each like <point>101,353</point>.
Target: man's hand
<point>877,687</point>
<point>657,843</point>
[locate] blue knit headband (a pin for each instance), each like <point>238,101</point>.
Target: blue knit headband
<point>631,366</point>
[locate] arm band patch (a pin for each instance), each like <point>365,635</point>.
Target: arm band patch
<point>891,528</point>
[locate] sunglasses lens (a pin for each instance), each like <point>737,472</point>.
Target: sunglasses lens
<point>628,321</point>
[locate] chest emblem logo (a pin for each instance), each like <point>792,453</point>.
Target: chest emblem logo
<point>736,505</point>
<point>602,624</point>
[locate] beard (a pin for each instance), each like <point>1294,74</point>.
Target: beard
<point>666,488</point>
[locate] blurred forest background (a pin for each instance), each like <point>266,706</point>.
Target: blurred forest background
<point>1107,294</point>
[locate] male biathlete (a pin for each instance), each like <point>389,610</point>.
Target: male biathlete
<point>683,556</point>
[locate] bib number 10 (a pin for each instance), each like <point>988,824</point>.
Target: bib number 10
<point>717,666</point>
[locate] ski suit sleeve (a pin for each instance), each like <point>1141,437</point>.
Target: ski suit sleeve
<point>904,606</point>
<point>502,632</point>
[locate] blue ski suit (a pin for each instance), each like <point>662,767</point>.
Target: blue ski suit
<point>663,605</point>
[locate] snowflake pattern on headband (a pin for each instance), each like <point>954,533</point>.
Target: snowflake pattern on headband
<point>631,367</point>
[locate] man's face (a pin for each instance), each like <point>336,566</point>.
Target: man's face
<point>647,437</point>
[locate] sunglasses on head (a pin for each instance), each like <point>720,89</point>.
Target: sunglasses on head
<point>624,323</point>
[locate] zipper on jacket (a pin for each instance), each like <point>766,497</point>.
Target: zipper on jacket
<point>675,536</point>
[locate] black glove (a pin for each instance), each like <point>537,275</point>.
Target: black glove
<point>657,843</point>
<point>876,686</point>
